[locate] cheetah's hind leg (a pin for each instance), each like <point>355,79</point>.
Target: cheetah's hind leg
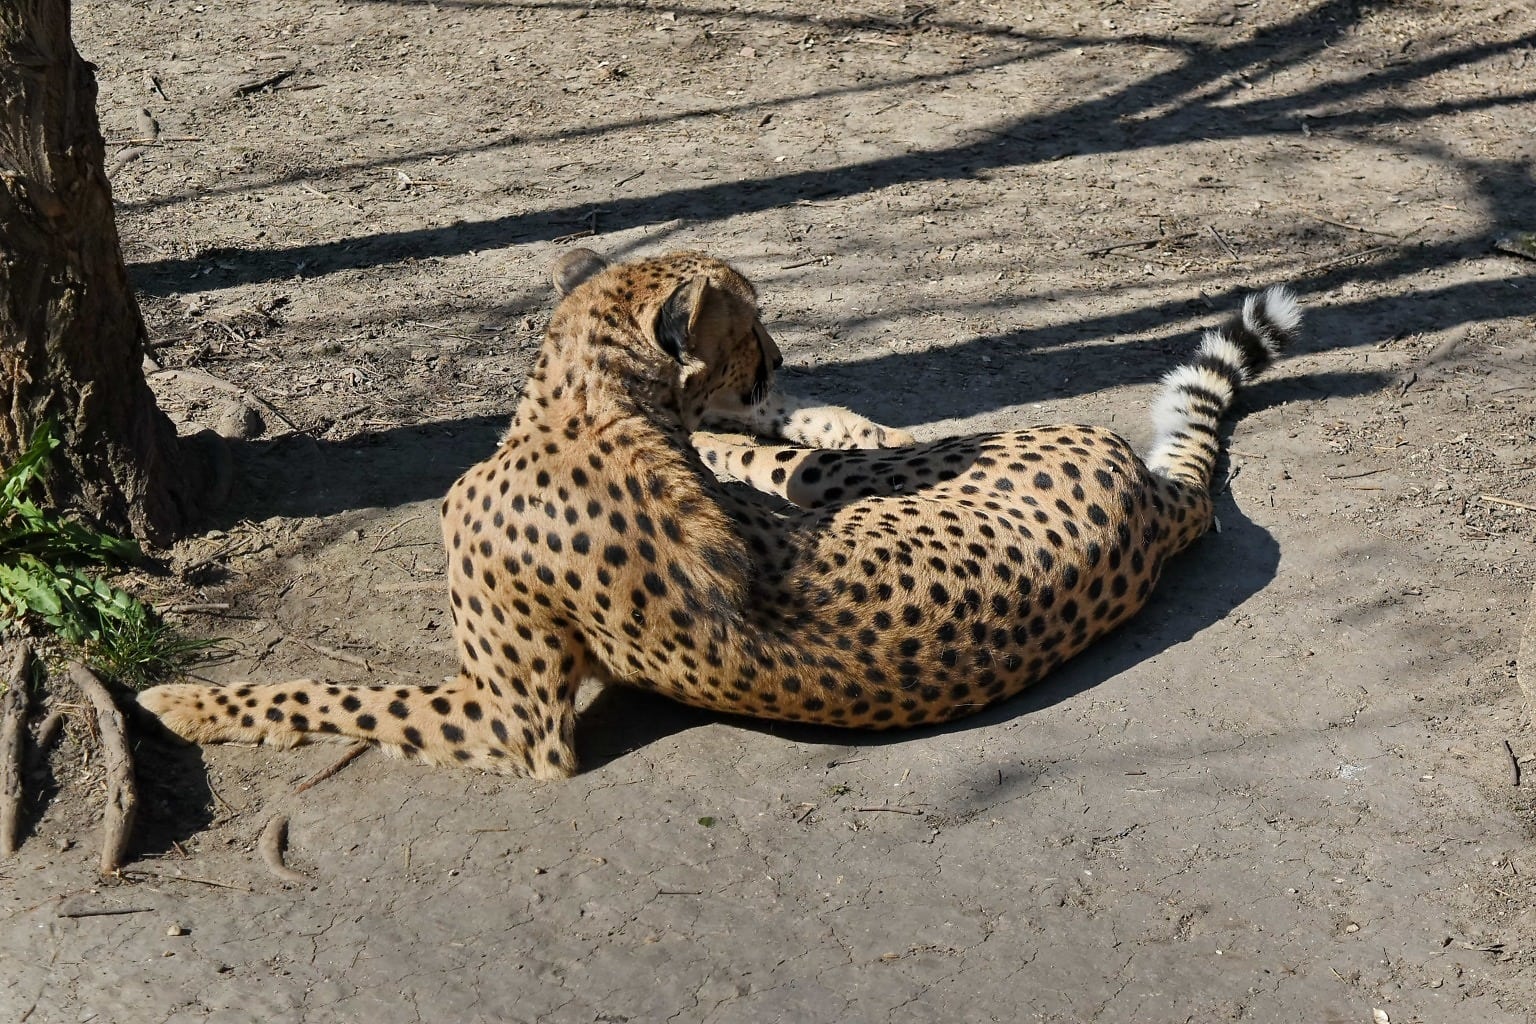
<point>450,724</point>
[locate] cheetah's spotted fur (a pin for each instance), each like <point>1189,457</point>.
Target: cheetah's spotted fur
<point>906,586</point>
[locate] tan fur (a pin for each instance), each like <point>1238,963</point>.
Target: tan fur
<point>904,587</point>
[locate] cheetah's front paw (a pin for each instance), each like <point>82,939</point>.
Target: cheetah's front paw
<point>830,427</point>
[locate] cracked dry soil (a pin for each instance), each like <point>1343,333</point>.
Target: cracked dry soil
<point>1281,794</point>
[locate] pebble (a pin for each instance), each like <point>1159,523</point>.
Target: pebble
<point>238,421</point>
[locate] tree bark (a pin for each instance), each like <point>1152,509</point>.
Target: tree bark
<point>71,336</point>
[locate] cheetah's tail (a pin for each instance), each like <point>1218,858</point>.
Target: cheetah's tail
<point>1198,394</point>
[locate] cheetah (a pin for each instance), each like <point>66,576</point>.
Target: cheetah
<point>871,588</point>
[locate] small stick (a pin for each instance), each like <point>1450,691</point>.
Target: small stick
<point>409,588</point>
<point>13,715</point>
<point>800,263</point>
<point>234,335</point>
<point>1373,250</point>
<point>892,810</point>
<point>1143,242</point>
<point>1351,227</point>
<point>1514,764</point>
<point>1143,257</point>
<point>122,797</point>
<point>1355,476</point>
<point>331,652</point>
<point>229,808</point>
<point>678,892</point>
<point>162,877</point>
<point>327,195</point>
<point>1230,251</point>
<point>273,838</point>
<point>392,531</point>
<point>1505,501</point>
<point>211,606</point>
<point>265,82</point>
<point>352,754</point>
<point>105,912</point>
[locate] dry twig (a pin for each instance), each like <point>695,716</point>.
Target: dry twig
<point>409,588</point>
<point>331,652</point>
<point>161,876</point>
<point>392,531</point>
<point>1495,500</point>
<point>1325,264</point>
<point>353,753</point>
<point>1230,251</point>
<point>122,796</point>
<point>1525,665</point>
<point>1138,243</point>
<point>13,715</point>
<point>105,912</point>
<point>262,82</point>
<point>273,839</point>
<point>1348,226</point>
<point>1354,476</point>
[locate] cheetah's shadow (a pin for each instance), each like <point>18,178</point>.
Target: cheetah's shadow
<point>1199,588</point>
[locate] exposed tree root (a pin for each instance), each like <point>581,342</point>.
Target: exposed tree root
<point>13,715</point>
<point>273,839</point>
<point>122,796</point>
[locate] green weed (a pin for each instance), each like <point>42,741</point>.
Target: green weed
<point>44,578</point>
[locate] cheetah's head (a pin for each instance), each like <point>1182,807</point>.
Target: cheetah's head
<point>698,311</point>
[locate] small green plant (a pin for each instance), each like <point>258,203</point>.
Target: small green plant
<point>44,560</point>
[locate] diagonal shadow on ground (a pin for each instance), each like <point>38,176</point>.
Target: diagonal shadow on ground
<point>1163,109</point>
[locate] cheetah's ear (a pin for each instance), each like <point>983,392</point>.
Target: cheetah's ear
<point>770,347</point>
<point>571,269</point>
<point>679,315</point>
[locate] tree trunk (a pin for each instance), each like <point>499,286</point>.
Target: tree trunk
<point>71,336</point>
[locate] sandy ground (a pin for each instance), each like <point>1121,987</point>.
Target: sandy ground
<point>1282,794</point>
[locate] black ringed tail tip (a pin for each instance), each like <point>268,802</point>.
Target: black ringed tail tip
<point>1197,395</point>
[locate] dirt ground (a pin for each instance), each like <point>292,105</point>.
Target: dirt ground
<point>1283,793</point>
